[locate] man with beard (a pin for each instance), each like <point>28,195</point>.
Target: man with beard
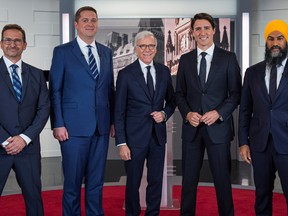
<point>263,117</point>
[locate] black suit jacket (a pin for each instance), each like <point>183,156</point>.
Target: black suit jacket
<point>133,122</point>
<point>221,92</point>
<point>30,116</point>
<point>259,116</point>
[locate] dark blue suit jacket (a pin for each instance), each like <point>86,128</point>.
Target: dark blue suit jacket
<point>30,116</point>
<point>222,93</point>
<point>79,103</point>
<point>133,122</point>
<point>259,115</point>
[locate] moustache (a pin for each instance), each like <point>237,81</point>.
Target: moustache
<point>275,47</point>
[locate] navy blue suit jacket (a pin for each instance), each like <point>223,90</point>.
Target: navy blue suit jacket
<point>260,116</point>
<point>133,122</point>
<point>79,103</point>
<point>222,93</point>
<point>28,117</point>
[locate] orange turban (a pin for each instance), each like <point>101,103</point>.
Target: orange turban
<point>276,25</point>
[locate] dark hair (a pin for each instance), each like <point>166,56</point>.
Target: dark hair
<point>16,27</point>
<point>85,8</point>
<point>203,16</point>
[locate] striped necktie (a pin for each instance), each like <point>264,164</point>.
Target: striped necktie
<point>16,82</point>
<point>92,63</point>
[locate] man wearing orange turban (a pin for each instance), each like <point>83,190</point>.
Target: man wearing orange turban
<point>263,117</point>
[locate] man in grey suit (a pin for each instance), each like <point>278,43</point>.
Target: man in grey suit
<point>24,112</point>
<point>206,100</point>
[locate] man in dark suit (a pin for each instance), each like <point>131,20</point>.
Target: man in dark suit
<point>263,115</point>
<point>207,92</point>
<point>144,102</point>
<point>82,89</point>
<point>24,112</point>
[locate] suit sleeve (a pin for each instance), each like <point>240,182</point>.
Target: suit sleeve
<point>181,90</point>
<point>43,110</point>
<point>245,111</point>
<point>170,103</point>
<point>55,87</point>
<point>226,108</point>
<point>120,108</point>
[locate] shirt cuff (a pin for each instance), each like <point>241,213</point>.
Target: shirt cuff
<point>121,144</point>
<point>26,138</point>
<point>165,115</point>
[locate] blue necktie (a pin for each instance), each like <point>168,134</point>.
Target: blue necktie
<point>92,63</point>
<point>150,84</point>
<point>16,82</point>
<point>273,82</point>
<point>202,70</point>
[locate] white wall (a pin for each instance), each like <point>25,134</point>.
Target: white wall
<point>159,8</point>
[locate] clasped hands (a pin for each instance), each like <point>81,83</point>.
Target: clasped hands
<point>15,145</point>
<point>208,118</point>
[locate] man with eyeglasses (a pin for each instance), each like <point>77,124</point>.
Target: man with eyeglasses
<point>24,111</point>
<point>144,102</point>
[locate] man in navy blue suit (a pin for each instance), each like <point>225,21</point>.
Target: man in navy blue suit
<point>82,104</point>
<point>144,102</point>
<point>263,117</point>
<point>207,92</point>
<point>24,112</point>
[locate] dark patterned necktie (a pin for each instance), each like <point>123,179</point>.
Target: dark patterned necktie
<point>16,82</point>
<point>150,84</point>
<point>92,63</point>
<point>273,82</point>
<point>202,70</point>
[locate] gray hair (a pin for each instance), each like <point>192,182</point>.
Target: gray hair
<point>143,34</point>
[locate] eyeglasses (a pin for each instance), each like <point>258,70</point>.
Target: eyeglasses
<point>8,41</point>
<point>144,46</point>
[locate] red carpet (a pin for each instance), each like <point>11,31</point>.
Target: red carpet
<point>13,205</point>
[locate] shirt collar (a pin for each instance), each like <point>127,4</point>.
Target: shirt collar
<point>82,44</point>
<point>143,65</point>
<point>209,51</point>
<point>9,63</point>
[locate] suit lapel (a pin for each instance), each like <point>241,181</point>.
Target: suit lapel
<point>283,81</point>
<point>101,55</point>
<point>194,72</point>
<point>25,78</point>
<point>6,77</point>
<point>261,77</point>
<point>216,59</point>
<point>158,79</point>
<point>79,55</point>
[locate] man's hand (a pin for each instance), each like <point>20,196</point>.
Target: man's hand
<point>61,134</point>
<point>124,152</point>
<point>245,153</point>
<point>210,117</point>
<point>194,118</point>
<point>112,131</point>
<point>158,116</point>
<point>16,145</point>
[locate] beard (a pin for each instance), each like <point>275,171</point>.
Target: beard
<point>275,58</point>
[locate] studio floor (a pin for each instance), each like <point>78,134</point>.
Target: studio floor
<point>52,177</point>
